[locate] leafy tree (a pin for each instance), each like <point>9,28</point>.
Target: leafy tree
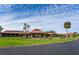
<point>52,32</point>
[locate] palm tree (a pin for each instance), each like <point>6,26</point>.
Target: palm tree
<point>1,28</point>
<point>26,28</point>
<point>67,25</point>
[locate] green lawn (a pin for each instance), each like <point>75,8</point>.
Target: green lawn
<point>17,41</point>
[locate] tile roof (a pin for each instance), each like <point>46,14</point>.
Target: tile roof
<point>13,31</point>
<point>36,31</point>
<point>71,33</point>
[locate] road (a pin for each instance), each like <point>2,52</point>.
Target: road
<point>68,48</point>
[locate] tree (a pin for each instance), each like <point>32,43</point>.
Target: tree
<point>1,28</point>
<point>26,27</point>
<point>67,25</point>
<point>52,31</point>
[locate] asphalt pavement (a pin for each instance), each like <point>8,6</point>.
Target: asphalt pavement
<point>67,48</point>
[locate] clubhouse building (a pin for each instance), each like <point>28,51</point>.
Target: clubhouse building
<point>35,33</point>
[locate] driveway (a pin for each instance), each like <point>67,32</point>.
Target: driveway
<point>68,48</point>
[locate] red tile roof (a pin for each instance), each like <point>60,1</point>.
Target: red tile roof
<point>37,31</point>
<point>12,31</point>
<point>71,33</point>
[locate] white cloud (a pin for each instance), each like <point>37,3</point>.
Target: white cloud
<point>49,22</point>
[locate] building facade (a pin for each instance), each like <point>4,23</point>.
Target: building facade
<point>35,33</point>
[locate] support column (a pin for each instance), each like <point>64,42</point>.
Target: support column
<point>27,35</point>
<point>40,35</point>
<point>31,36</point>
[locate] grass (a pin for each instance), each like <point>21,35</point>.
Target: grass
<point>17,41</point>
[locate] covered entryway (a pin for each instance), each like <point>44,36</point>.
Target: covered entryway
<point>37,33</point>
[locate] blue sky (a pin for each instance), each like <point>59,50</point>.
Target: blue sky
<point>43,16</point>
